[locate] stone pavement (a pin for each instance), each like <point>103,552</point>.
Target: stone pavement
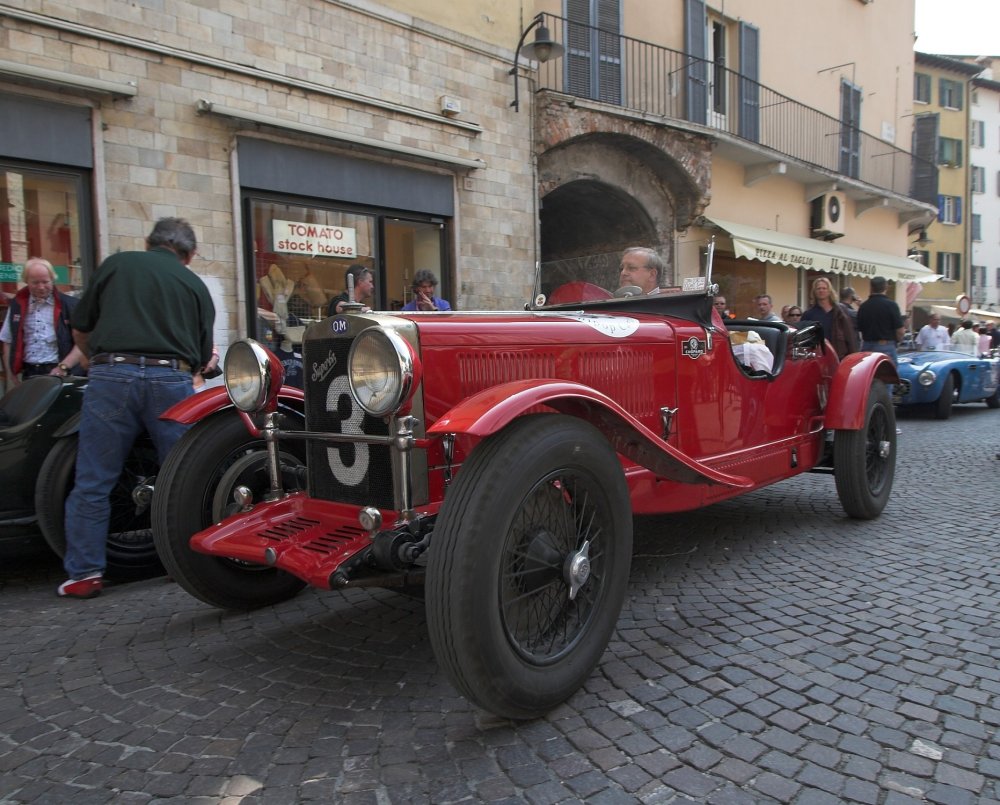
<point>770,650</point>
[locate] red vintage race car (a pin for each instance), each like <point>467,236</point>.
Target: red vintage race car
<point>492,461</point>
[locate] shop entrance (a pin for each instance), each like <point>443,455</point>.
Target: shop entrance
<point>299,250</point>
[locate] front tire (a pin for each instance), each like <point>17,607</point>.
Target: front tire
<point>942,407</point>
<point>130,549</point>
<point>194,490</point>
<point>528,565</point>
<point>865,460</point>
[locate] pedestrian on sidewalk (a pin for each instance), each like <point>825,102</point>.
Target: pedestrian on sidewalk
<point>146,321</point>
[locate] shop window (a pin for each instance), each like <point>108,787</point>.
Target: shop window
<point>42,214</point>
<point>301,252</point>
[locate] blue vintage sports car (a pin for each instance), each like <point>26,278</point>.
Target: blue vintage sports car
<point>940,379</point>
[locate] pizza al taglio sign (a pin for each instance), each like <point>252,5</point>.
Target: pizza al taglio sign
<point>314,240</point>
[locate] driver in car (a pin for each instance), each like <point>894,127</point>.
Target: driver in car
<point>641,268</point>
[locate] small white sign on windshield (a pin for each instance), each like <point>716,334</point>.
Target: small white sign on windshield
<point>694,284</point>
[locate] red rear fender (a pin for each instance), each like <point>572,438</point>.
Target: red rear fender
<point>845,408</point>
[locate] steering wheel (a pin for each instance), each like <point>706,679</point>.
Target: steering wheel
<point>628,290</point>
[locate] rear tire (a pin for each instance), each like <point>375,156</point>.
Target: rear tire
<point>536,509</point>
<point>864,461</point>
<point>131,552</point>
<point>190,496</point>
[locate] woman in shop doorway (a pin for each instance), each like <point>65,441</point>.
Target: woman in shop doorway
<point>825,309</point>
<point>424,287</point>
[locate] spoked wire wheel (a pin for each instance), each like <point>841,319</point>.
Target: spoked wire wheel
<point>553,567</point>
<point>528,564</point>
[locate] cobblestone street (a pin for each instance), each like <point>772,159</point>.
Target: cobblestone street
<point>770,650</point>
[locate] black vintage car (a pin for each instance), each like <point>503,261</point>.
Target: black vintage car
<point>39,420</point>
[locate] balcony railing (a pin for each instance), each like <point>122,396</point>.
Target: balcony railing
<point>636,75</point>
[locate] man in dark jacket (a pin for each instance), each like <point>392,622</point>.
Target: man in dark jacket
<point>146,321</point>
<point>880,321</point>
<point>37,336</point>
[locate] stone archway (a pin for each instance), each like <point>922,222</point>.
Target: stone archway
<point>608,181</point>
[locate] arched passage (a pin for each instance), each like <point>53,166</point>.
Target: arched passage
<point>608,182</point>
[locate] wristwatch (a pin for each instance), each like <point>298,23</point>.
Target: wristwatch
<point>64,368</point>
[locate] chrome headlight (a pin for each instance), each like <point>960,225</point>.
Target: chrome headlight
<point>253,375</point>
<point>926,378</point>
<point>380,370</point>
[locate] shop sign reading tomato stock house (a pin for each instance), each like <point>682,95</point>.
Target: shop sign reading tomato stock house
<point>315,240</point>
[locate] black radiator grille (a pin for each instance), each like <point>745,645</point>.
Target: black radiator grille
<point>344,473</point>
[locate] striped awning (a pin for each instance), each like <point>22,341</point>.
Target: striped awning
<point>769,246</point>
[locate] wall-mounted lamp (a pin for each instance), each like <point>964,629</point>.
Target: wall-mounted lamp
<point>923,240</point>
<point>542,49</point>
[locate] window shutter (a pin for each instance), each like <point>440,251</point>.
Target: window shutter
<point>695,27</point>
<point>958,209</point>
<point>749,89</point>
<point>609,52</point>
<point>958,153</point>
<point>925,173</point>
<point>578,48</point>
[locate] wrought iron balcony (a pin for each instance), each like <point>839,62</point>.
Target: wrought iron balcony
<point>613,69</point>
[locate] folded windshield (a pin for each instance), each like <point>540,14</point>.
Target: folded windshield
<point>683,268</point>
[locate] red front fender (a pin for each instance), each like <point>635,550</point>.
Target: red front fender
<point>490,411</point>
<point>845,408</point>
<point>200,405</point>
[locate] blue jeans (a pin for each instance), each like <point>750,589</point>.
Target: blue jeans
<point>119,403</point>
<point>885,349</point>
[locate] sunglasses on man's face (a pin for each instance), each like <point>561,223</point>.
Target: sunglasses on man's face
<point>795,315</point>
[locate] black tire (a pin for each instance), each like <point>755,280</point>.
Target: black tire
<point>993,401</point>
<point>865,460</point>
<point>189,496</point>
<point>942,407</point>
<point>131,552</point>
<point>500,619</point>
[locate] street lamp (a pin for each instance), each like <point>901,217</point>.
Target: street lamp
<point>542,49</point>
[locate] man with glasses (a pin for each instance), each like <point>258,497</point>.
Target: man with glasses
<point>641,267</point>
<point>719,303</point>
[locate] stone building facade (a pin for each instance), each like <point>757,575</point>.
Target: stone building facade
<point>382,131</point>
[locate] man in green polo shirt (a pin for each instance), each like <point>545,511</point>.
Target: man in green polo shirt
<point>146,321</point>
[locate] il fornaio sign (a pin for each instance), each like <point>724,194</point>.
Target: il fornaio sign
<point>315,240</point>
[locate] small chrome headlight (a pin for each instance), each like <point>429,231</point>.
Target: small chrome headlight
<point>380,369</point>
<point>253,375</point>
<point>926,378</point>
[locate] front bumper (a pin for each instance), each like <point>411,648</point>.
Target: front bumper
<point>311,539</point>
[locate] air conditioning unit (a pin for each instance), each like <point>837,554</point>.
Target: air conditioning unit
<point>828,213</point>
